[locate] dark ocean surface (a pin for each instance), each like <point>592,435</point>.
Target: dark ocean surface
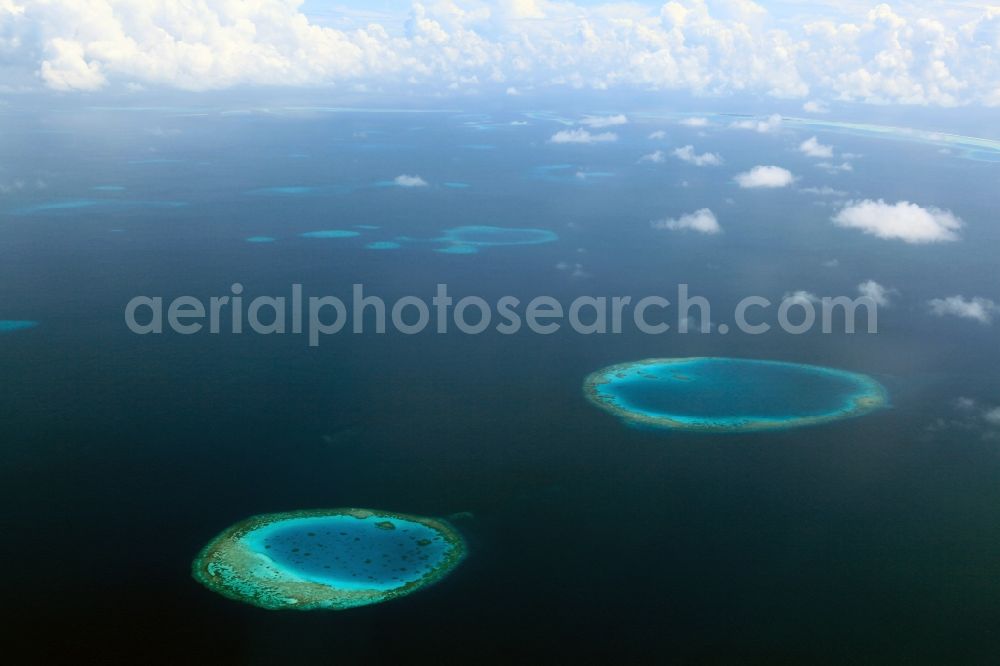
<point>871,540</point>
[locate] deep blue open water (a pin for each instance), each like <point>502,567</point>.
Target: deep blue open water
<point>872,540</point>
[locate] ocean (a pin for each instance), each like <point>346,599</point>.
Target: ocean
<point>589,540</point>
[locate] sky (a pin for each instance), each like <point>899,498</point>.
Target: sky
<point>933,54</point>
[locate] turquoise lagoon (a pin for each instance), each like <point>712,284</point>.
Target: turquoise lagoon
<point>328,559</point>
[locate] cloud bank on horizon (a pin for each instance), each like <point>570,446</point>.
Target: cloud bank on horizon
<point>919,53</point>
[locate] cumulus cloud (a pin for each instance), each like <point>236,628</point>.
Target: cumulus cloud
<point>688,154</point>
<point>20,185</point>
<point>410,181</point>
<point>878,293</point>
<point>656,157</point>
<point>813,148</point>
<point>801,297</point>
<point>764,126</point>
<point>582,136</point>
<point>855,53</point>
<point>914,55</point>
<point>702,221</point>
<point>574,270</point>
<point>604,121</point>
<point>813,106</point>
<point>657,135</point>
<point>695,122</point>
<point>901,221</point>
<point>825,191</point>
<point>969,416</point>
<point>765,176</point>
<point>982,310</point>
<point>835,168</point>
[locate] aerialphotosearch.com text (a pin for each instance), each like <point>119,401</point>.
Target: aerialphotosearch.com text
<point>361,313</point>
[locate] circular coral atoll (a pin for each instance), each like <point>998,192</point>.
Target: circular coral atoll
<point>328,559</point>
<point>731,395</point>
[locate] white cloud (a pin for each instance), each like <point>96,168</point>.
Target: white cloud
<point>971,416</point>
<point>801,297</point>
<point>688,155</point>
<point>813,148</point>
<point>978,309</point>
<point>20,185</point>
<point>582,136</point>
<point>901,221</point>
<point>658,134</point>
<point>918,53</point>
<point>574,270</point>
<point>764,126</point>
<point>878,293</point>
<point>604,121</point>
<point>525,9</point>
<point>825,191</point>
<point>695,122</point>
<point>656,157</point>
<point>702,221</point>
<point>765,176</point>
<point>814,106</point>
<point>835,168</point>
<point>410,181</point>
<point>965,404</point>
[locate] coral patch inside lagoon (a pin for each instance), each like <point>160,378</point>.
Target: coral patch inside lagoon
<point>328,559</point>
<point>731,395</point>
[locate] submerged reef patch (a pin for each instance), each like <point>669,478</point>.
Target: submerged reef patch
<point>731,395</point>
<point>458,249</point>
<point>68,205</point>
<point>327,559</point>
<point>331,233</point>
<point>261,239</point>
<point>11,325</point>
<point>469,239</point>
<point>288,190</point>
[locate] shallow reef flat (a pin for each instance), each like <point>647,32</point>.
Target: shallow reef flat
<point>328,559</point>
<point>731,395</point>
